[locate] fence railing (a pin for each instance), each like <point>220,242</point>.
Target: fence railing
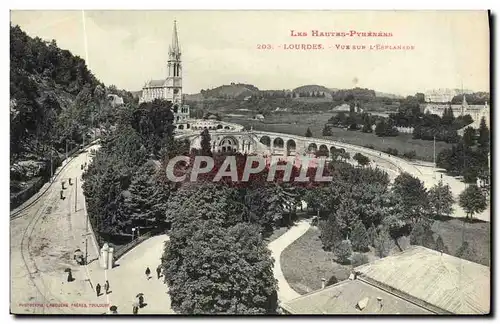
<point>121,250</point>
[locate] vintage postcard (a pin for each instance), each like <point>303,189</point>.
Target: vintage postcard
<point>250,162</point>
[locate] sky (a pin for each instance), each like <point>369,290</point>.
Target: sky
<point>127,48</point>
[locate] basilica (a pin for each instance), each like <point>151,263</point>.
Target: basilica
<point>170,88</point>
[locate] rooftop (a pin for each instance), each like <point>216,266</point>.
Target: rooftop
<point>415,281</point>
<point>450,283</point>
<point>155,83</point>
<point>343,298</point>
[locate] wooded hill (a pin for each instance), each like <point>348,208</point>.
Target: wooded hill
<point>54,101</point>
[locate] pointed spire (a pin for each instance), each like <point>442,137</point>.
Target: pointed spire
<point>174,47</point>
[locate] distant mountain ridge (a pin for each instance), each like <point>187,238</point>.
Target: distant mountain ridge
<point>242,90</point>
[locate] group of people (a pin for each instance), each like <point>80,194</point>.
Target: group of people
<point>140,297</point>
<point>158,272</point>
<point>98,288</point>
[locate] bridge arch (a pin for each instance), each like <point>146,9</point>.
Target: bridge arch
<point>312,147</point>
<point>219,126</point>
<point>228,144</point>
<point>278,143</point>
<point>291,147</point>
<point>266,140</point>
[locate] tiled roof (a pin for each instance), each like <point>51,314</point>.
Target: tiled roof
<point>155,83</point>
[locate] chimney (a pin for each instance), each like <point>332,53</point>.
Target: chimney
<point>323,283</point>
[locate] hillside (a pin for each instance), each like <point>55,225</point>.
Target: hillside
<point>232,91</point>
<point>388,95</point>
<point>312,88</point>
<point>54,102</point>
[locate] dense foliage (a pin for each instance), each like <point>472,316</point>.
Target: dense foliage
<point>55,99</point>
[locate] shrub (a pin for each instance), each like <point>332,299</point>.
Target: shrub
<point>467,252</point>
<point>440,246</point>
<point>343,251</point>
<point>410,155</point>
<point>359,237</point>
<point>359,259</point>
<point>332,281</point>
<point>372,234</point>
<point>421,234</point>
<point>391,151</point>
<point>382,243</point>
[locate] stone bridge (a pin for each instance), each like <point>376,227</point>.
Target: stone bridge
<point>269,143</point>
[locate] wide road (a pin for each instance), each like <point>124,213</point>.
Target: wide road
<point>43,238</point>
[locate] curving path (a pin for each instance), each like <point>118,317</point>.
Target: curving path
<point>44,233</point>
<point>285,292</point>
<point>127,279</point>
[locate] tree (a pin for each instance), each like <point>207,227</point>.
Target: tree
<point>440,246</point>
<point>330,233</point>
<point>346,216</point>
<point>382,243</point>
<point>421,234</point>
<point>484,136</point>
<point>147,197</point>
<point>412,194</point>
<point>466,251</point>
<point>215,270</point>
<point>359,259</point>
<point>359,237</point>
<point>308,132</point>
<point>410,155</point>
<point>361,159</point>
<point>343,251</point>
<point>472,201</point>
<point>469,136</point>
<point>367,128</point>
<point>327,130</point>
<point>206,148</point>
<point>441,199</point>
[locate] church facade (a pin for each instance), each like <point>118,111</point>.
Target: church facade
<point>170,88</point>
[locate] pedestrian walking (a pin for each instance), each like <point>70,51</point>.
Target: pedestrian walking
<point>158,271</point>
<point>98,290</point>
<point>135,308</point>
<point>148,272</point>
<point>106,287</point>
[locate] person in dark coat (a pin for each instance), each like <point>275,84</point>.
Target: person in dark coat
<point>98,290</point>
<point>158,271</point>
<point>148,272</point>
<point>106,287</point>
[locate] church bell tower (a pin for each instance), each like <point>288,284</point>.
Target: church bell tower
<point>174,79</point>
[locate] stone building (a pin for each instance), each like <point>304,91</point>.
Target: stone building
<point>170,88</point>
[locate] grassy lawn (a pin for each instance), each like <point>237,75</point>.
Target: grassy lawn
<point>304,263</point>
<point>477,234</point>
<point>297,124</point>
